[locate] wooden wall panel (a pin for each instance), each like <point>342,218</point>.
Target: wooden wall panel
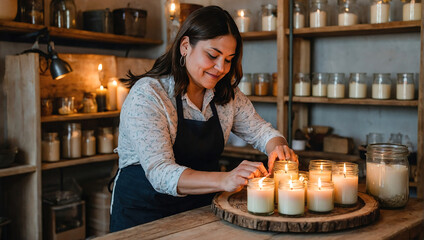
<point>136,65</point>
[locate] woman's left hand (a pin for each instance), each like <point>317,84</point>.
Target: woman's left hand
<point>282,152</point>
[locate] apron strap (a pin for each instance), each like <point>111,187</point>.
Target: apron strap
<point>109,185</point>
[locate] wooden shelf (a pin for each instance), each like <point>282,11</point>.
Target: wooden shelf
<point>79,116</point>
<point>76,34</point>
<point>16,169</point>
<point>360,29</point>
<point>79,161</point>
<point>265,99</point>
<point>350,101</point>
<point>329,156</point>
<point>267,35</point>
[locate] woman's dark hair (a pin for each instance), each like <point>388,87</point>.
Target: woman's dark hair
<point>203,24</point>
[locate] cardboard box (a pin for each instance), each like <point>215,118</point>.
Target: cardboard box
<point>337,144</point>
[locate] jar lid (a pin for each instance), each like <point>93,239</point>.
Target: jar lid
<point>269,6</point>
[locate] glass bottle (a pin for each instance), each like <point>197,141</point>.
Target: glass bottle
<point>320,169</point>
<point>32,11</point>
<point>245,84</point>
<point>88,143</point>
<point>348,13</point>
<point>319,84</point>
<point>291,197</point>
<point>283,172</point>
<point>105,140</point>
<point>345,179</point>
<point>405,87</point>
<point>381,86</point>
<point>261,84</point>
<point>318,13</point>
<point>336,85</point>
<point>411,10</point>
<point>387,176</point>
<point>89,103</point>
<point>260,196</point>
<point>63,14</point>
<point>50,147</point>
<point>269,17</point>
<point>298,15</point>
<point>357,85</point>
<point>71,140</point>
<point>380,11</point>
<point>302,85</point>
<point>242,18</point>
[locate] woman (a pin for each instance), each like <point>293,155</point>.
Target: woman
<point>176,119</point>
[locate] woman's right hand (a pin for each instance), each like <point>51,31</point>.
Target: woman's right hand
<point>238,177</point>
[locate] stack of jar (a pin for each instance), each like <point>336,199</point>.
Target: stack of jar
<point>268,19</point>
<point>259,84</point>
<point>75,143</point>
<point>348,12</point>
<point>332,85</point>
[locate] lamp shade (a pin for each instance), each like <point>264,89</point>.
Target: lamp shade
<point>58,67</point>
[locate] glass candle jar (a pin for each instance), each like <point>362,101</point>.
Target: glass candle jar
<point>304,177</point>
<point>269,17</point>
<point>71,140</point>
<point>274,84</point>
<point>63,14</point>
<point>320,196</point>
<point>283,172</point>
<point>66,106</point>
<point>245,84</point>
<point>260,196</point>
<point>105,140</point>
<point>32,11</point>
<point>381,86</point>
<point>411,10</point>
<point>345,179</point>
<point>379,11</point>
<point>302,85</point>
<point>405,87</point>
<point>298,15</point>
<point>88,143</point>
<point>242,18</point>
<point>318,13</point>
<point>50,147</point>
<point>262,84</point>
<point>319,84</point>
<point>348,13</point>
<point>357,85</point>
<point>336,85</point>
<point>320,169</point>
<point>291,197</point>
<point>388,174</point>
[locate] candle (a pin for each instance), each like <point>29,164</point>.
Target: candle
<point>320,169</point>
<point>50,147</point>
<point>387,181</point>
<point>319,90</point>
<point>302,89</point>
<point>291,198</point>
<point>345,179</point>
<point>380,12</point>
<point>298,20</point>
<point>101,99</point>
<point>381,91</point>
<point>284,171</point>
<point>347,19</point>
<point>411,11</point>
<point>105,140</point>
<point>405,91</point>
<point>318,19</point>
<point>242,20</point>
<point>112,94</point>
<point>122,93</point>
<point>320,196</point>
<point>260,196</point>
<point>335,90</point>
<point>100,73</point>
<point>357,90</point>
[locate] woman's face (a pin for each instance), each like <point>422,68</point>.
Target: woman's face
<point>209,60</point>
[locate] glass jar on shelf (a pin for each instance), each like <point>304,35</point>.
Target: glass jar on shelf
<point>318,13</point>
<point>302,85</point>
<point>336,85</point>
<point>298,15</point>
<point>381,86</point>
<point>89,103</point>
<point>405,87</point>
<point>63,13</point>
<point>105,140</point>
<point>387,177</point>
<point>348,13</point>
<point>275,84</point>
<point>357,85</point>
<point>243,19</point>
<point>46,106</point>
<point>88,143</point>
<point>261,84</point>
<point>32,11</point>
<point>245,84</point>
<point>411,10</point>
<point>380,11</point>
<point>71,140</point>
<point>50,147</point>
<point>269,17</point>
<point>66,106</point>
<point>319,84</point>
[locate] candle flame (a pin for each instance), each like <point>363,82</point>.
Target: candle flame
<point>101,87</point>
<point>172,8</point>
<point>286,168</point>
<point>301,178</point>
<point>241,13</point>
<point>319,183</point>
<point>261,182</point>
<point>115,83</point>
<point>344,169</point>
<point>100,67</point>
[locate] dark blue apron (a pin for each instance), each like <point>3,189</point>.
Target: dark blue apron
<point>198,145</point>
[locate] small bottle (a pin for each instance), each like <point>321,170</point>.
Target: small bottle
<point>262,84</point>
<point>71,140</point>
<point>411,10</point>
<point>88,143</point>
<point>357,85</point>
<point>63,14</point>
<point>298,15</point>
<point>336,85</point>
<point>348,13</point>
<point>319,84</point>
<point>405,87</point>
<point>105,140</point>
<point>318,13</point>
<point>269,17</point>
<point>302,85</point>
<point>50,147</point>
<point>274,84</point>
<point>242,18</point>
<point>380,11</point>
<point>381,86</point>
<point>245,84</point>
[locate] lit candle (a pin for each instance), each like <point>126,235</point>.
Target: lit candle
<point>335,90</point>
<point>242,20</point>
<point>260,196</point>
<point>320,169</point>
<point>318,19</point>
<point>291,198</point>
<point>380,12</point>
<point>112,94</point>
<point>345,181</point>
<point>284,171</point>
<point>411,11</point>
<point>347,19</point>
<point>387,181</point>
<point>122,93</point>
<point>320,196</point>
<point>100,73</point>
<point>101,98</point>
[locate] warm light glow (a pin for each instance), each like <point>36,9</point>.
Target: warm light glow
<point>115,83</point>
<point>101,87</point>
<point>322,168</point>
<point>291,184</point>
<point>301,178</point>
<point>319,183</point>
<point>241,13</point>
<point>344,169</point>
<point>172,8</point>
<point>286,168</point>
<point>261,182</point>
<point>100,67</point>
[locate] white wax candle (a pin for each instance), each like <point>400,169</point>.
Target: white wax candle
<point>298,20</point>
<point>246,88</point>
<point>318,19</point>
<point>347,19</point>
<point>335,90</point>
<point>380,12</point>
<point>405,91</point>
<point>411,11</point>
<point>282,177</point>
<point>269,23</point>
<point>243,23</point>
<point>345,189</point>
<point>324,175</point>
<point>260,198</point>
<point>357,90</point>
<point>302,89</point>
<point>112,94</point>
<point>122,93</point>
<point>320,199</point>
<point>291,201</point>
<point>381,91</point>
<point>50,150</point>
<point>387,181</point>
<point>105,143</point>
<point>88,146</point>
<point>319,90</point>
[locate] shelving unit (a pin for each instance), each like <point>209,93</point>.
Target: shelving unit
<point>73,162</point>
<point>16,170</point>
<point>79,116</point>
<point>347,101</point>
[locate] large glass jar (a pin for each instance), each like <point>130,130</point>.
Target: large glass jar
<point>269,17</point>
<point>298,15</point>
<point>318,13</point>
<point>388,174</point>
<point>405,87</point>
<point>245,84</point>
<point>262,82</point>
<point>243,18</point>
<point>319,84</point>
<point>381,86</point>
<point>63,14</point>
<point>105,140</point>
<point>302,85</point>
<point>32,11</point>
<point>50,147</point>
<point>348,13</point>
<point>88,143</point>
<point>336,85</point>
<point>284,171</point>
<point>380,11</point>
<point>71,140</point>
<point>411,10</point>
<point>358,85</point>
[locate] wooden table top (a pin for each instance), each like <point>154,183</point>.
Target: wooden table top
<point>201,223</point>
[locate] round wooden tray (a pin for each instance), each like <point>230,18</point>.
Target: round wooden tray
<point>232,207</point>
